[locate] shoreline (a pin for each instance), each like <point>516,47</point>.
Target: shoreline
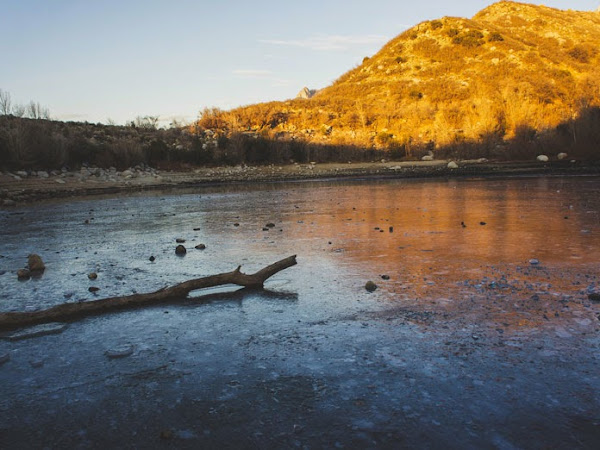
<point>16,190</point>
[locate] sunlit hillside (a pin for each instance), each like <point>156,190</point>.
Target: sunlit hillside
<point>514,72</point>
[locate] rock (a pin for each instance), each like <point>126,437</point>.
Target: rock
<point>36,331</point>
<point>93,289</point>
<point>385,277</point>
<point>534,262</point>
<point>22,173</point>
<point>391,229</point>
<point>60,181</point>
<point>35,263</point>
<point>452,165</point>
<point>427,158</point>
<point>370,286</point>
<point>43,174</point>
<point>543,158</point>
<point>23,274</point>
<point>180,250</point>
<point>152,259</point>
<point>180,241</point>
<point>562,156</point>
<point>121,351</point>
<point>236,224</point>
<point>482,223</point>
<point>200,247</point>
<point>270,225</point>
<point>92,276</point>
<point>4,357</point>
<point>8,202</point>
<point>594,297</point>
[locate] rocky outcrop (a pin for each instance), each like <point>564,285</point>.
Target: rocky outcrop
<point>306,93</point>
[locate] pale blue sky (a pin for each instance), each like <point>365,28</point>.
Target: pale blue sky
<point>94,60</point>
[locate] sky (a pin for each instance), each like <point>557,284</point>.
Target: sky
<point>115,60</point>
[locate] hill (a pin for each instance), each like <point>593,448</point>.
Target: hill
<point>516,78</point>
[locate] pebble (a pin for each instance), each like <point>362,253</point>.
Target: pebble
<point>92,276</point>
<point>534,262</point>
<point>23,274</point>
<point>452,165</point>
<point>200,247</point>
<point>121,351</point>
<point>93,289</point>
<point>385,277</point>
<point>370,286</point>
<point>152,259</point>
<point>180,241</point>
<point>180,250</point>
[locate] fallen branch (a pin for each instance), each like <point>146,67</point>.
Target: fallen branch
<point>70,311</point>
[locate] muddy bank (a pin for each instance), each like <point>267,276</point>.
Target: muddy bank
<point>22,187</point>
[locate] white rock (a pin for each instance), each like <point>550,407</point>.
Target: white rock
<point>452,165</point>
<point>22,173</point>
<point>427,158</point>
<point>120,352</point>
<point>543,158</point>
<point>60,181</point>
<point>561,156</point>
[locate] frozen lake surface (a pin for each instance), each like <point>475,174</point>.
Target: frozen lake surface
<point>481,332</point>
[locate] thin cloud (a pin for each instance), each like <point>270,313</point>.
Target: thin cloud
<point>323,42</point>
<point>252,73</point>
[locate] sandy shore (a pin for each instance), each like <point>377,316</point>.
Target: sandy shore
<point>15,189</point>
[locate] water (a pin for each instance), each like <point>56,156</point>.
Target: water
<point>461,312</point>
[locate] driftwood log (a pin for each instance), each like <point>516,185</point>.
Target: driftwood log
<point>71,311</point>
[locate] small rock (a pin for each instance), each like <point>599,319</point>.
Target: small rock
<point>482,223</point>
<point>236,224</point>
<point>197,229</point>
<point>92,276</point>
<point>35,263</point>
<point>534,262</point>
<point>200,247</point>
<point>180,241</point>
<point>23,274</point>
<point>385,277</point>
<point>166,435</point>
<point>180,250</point>
<point>452,165</point>
<point>391,229</point>
<point>60,181</point>
<point>427,158</point>
<point>93,289</point>
<point>121,351</point>
<point>152,259</point>
<point>43,174</point>
<point>270,225</point>
<point>370,286</point>
<point>562,156</point>
<point>594,297</point>
<point>543,158</point>
<point>265,229</point>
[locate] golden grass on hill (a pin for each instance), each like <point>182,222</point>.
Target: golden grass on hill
<point>512,70</point>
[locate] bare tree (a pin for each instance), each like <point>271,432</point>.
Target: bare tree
<point>36,111</point>
<point>146,122</point>
<point>18,110</point>
<point>5,103</point>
